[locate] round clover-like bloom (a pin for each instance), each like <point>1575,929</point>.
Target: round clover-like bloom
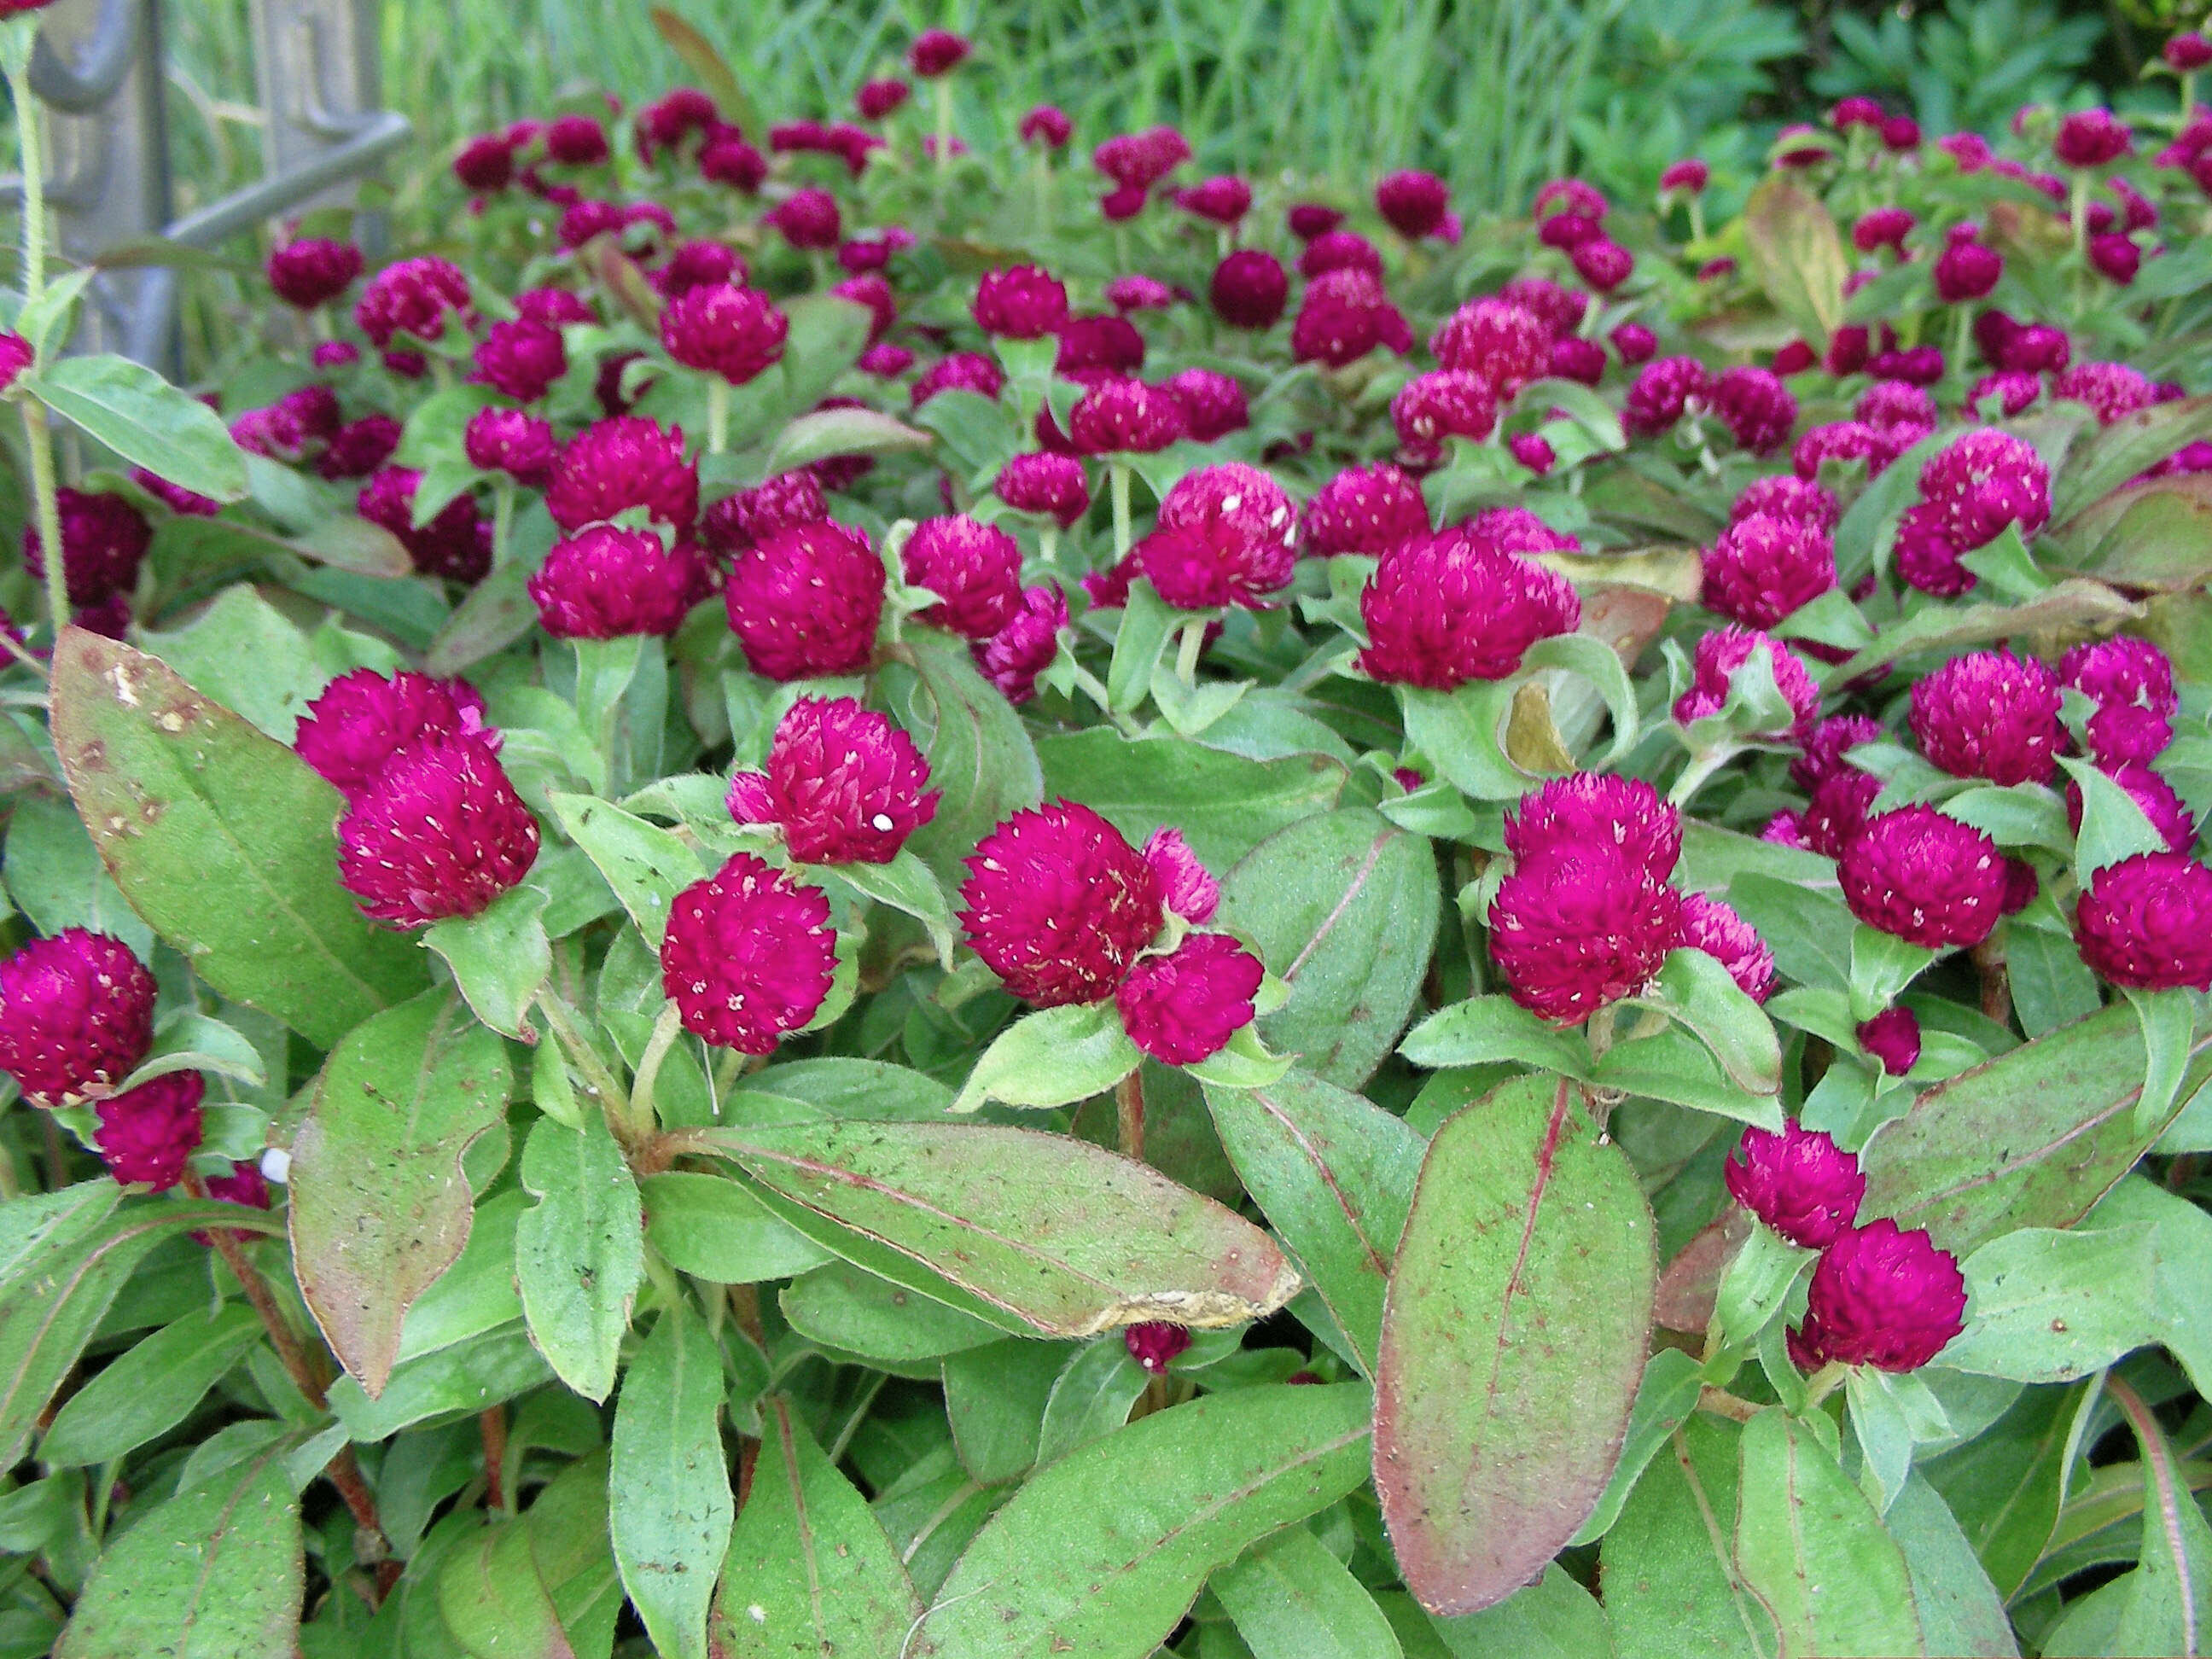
<point>1058,904</point>
<point>1665,389</point>
<point>1689,175</point>
<point>312,271</point>
<point>1880,1298</point>
<point>1214,404</point>
<point>1785,495</point>
<point>1588,810</point>
<point>1839,810</point>
<point>1245,513</point>
<point>1222,200</point>
<point>2092,138</point>
<point>1841,441</point>
<point>604,582</point>
<point>748,956</point>
<point>1155,1344</point>
<point>1926,878</point>
<point>665,123</point>
<point>878,98</point>
<point>412,298</point>
<point>614,466</point>
<point>1022,302</point>
<point>2187,53</point>
<point>2114,390</point>
<point>1138,160</point>
<point>696,265</point>
<point>439,832</point>
<point>2014,393</point>
<point>1184,1006</point>
<point>1577,928</point>
<point>486,162</point>
<point>520,359</point>
<point>1966,271</point>
<point>937,51</point>
<point>1985,481</point>
<point>507,441</point>
<point>2168,813</point>
<point>1893,1038</point>
<point>805,601</point>
<point>727,159</point>
<point>1577,359</point>
<point>975,568</point>
<point>1138,292</point>
<point>1799,1182</point>
<point>1762,569</point>
<point>1506,343</point>
<point>103,541</point>
<point>1047,125</point>
<point>1989,715</point>
<point>1601,263</point>
<point>2131,682</point>
<point>1714,666</point>
<point>1107,343</point>
<point>1635,344</point>
<point>576,141</point>
<point>1882,226</point>
<point>734,333</point>
<point>361,448</point>
<point>148,1135</point>
<point>1442,403</point>
<point>1826,746</point>
<point>1574,196</point>
<point>1344,315</point>
<point>1756,408</point>
<point>1412,202</point>
<point>456,545</point>
<point>788,499</point>
<point>361,720</point>
<point>1012,657</point>
<point>2145,922</point>
<point>1307,220</point>
<point>1365,509</point>
<point>1126,416</point>
<point>76,1015</point>
<point>1340,250</point>
<point>2116,257</point>
<point>1926,556</point>
<point>1048,485</point>
<point>1249,288</point>
<point>1442,611</point>
<point>1712,926</point>
<point>844,785</point>
<point>809,219</point>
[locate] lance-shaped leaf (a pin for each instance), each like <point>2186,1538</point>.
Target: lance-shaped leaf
<point>223,840</point>
<point>1797,256</point>
<point>668,1507</point>
<point>1065,1236</point>
<point>379,1206</point>
<point>1513,1343</point>
<point>1669,1565</point>
<point>495,1601</point>
<point>580,1252</point>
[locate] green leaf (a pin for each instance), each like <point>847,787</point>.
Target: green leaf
<point>2006,1485</point>
<point>1664,1400</point>
<point>668,1491</point>
<point>1960,1609</point>
<point>151,1387</point>
<point>2051,985</point>
<point>1811,1548</point>
<point>1892,1416</point>
<point>145,420</point>
<point>977,748</point>
<point>1673,1065</point>
<point>580,1253</point>
<point>2047,1306</point>
<point>57,879</point>
<point>995,1400</point>
<point>844,1307</point>
<point>1696,990</point>
<point>465,1379</point>
<point>1796,257</point>
<point>1091,1396</point>
<point>1756,1284</point>
<point>1600,664</point>
<point>1459,731</point>
<point>826,432</point>
<point>1100,1552</point>
<point>2007,566</point>
<point>1513,1342</point>
<point>2114,824</point>
<point>2129,446</point>
<point>1146,625</point>
<point>496,1602</point>
<point>809,1570</point>
<point>646,865</point>
<point>1495,1028</point>
<point>1554,1617</point>
<point>1242,1062</point>
<point>1671,1584</point>
<point>1051,1058</point>
<point>1291,1599</point>
<point>906,884</point>
<point>707,66</point>
<point>216,1572</point>
<point>1334,1176</point>
<point>1882,965</point>
<point>2168,1019</point>
<point>500,957</point>
<point>379,1206</point>
<point>709,1226</point>
<point>2169,1595</point>
<point>477,1293</point>
<point>222,839</point>
<point>2071,603</point>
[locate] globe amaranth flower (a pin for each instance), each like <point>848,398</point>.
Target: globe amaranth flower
<point>1574,196</point>
<point>1365,509</point>
<point>1762,569</point>
<point>1222,200</point>
<point>486,162</point>
<point>175,496</point>
<point>1842,441</point>
<point>1109,343</point>
<point>1721,654</point>
<point>361,720</point>
<point>878,98</point>
<point>1155,1345</point>
<point>1182,1007</point>
<point>844,785</point>
<point>1966,271</point>
<point>805,601</point>
<point>1893,1038</point>
<point>615,465</point>
<point>2187,53</point>
<point>1307,220</point>
<point>1925,556</point>
<point>1689,175</point>
<point>1989,715</point>
<point>2013,394</point>
<point>148,1135</point>
<point>1412,202</point>
<point>736,334</point>
<point>1755,406</point>
<point>1786,829</point>
<point>1506,343</point>
<point>787,500</point>
<point>1126,416</point>
<point>808,219</point>
<point>2115,258</point>
<point>748,956</point>
<point>937,51</point>
<point>665,123</point>
<point>605,582</point>
<point>1048,485</point>
<point>310,271</point>
<point>17,355</point>
<point>1023,302</point>
<point>1249,289</point>
<point>413,298</point>
<point>1340,250</point>
<point>1882,226</point>
<point>1787,496</point>
<point>439,832</point>
<point>727,159</point>
<point>1577,359</point>
<point>2114,390</point>
<point>2168,813</point>
<point>1012,657</point>
<point>1827,744</point>
<point>1049,125</point>
<point>1583,810</point>
<point>1344,315</point>
<point>1440,611</point>
<point>456,545</point>
<point>1664,391</point>
<point>1575,928</point>
<point>507,441</point>
<point>1985,481</point>
<point>520,359</point>
<point>103,541</point>
<point>1902,412</point>
<point>1634,342</point>
<point>1058,904</point>
<point>76,1015</point>
<point>1138,160</point>
<point>576,141</point>
<point>975,568</point>
<point>1138,292</point>
<point>1604,265</point>
<point>886,362</point>
<point>2092,138</point>
<point>1712,926</point>
<point>1246,516</point>
<point>1880,1298</point>
<point>698,265</point>
<point>2145,922</point>
<point>1841,803</point>
<point>2131,682</point>
<point>1442,403</point>
<point>1799,1182</point>
<point>1925,878</point>
<point>1566,230</point>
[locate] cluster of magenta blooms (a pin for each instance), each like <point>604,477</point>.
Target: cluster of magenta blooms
<point>1056,902</point>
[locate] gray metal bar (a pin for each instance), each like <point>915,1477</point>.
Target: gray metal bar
<point>372,140</point>
<point>80,87</point>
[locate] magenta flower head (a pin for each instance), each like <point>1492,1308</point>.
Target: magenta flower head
<point>1799,1182</point>
<point>2116,257</point>
<point>748,956</point>
<point>1246,512</point>
<point>455,545</point>
<point>507,441</point>
<point>1307,220</point>
<point>1442,611</point>
<point>1925,878</point>
<point>1826,746</point>
<point>2145,922</point>
<point>808,219</point>
<point>1689,175</point>
<point>148,1135</point>
<point>1023,302</point>
<point>1183,1007</point>
<point>1756,408</point>
<point>1051,486</point>
<point>1155,1344</point>
<point>1880,1298</point>
<point>1440,405</point>
<point>878,98</point>
<point>439,832</point>
<point>1989,715</point>
<point>1365,509</point>
<point>1596,810</point>
<point>350,732</point>
<point>76,1016</point>
<point>1187,887</point>
<point>1340,250</point>
<point>844,784</point>
<point>1882,226</point>
<point>2168,813</point>
<point>1985,481</point>
<point>1577,928</point>
<point>1635,343</point>
<point>576,141</point>
<point>1138,160</point>
<point>604,582</point>
<point>1058,904</point>
<point>1249,289</point>
<point>1926,556</point>
<point>2113,389</point>
<point>1214,404</point>
<point>1787,496</point>
<point>520,359</point>
<point>727,159</point>
<point>735,333</point>
<point>103,541</point>
<point>1110,343</point>
<point>17,355</point>
<point>695,264</point>
<point>1603,264</point>
<point>413,298</point>
<point>1126,416</point>
<point>873,291</point>
<point>1344,315</point>
<point>360,448</point>
<point>1665,390</point>
<point>736,521</point>
<point>1505,342</point>
<point>1412,202</point>
<point>1966,271</point>
<point>1577,359</point>
<point>1893,1038</point>
<point>937,51</point>
<point>1712,926</point>
<point>1138,292</point>
<point>2187,53</point>
<point>2092,138</point>
<point>1763,568</point>
<point>2123,674</point>
<point>1721,653</point>
<point>975,568</point>
<point>486,162</point>
<point>1843,441</point>
<point>805,601</point>
<point>1012,657</point>
<point>1047,125</point>
<point>1222,200</point>
<point>665,123</point>
<point>616,464</point>
<point>312,271</point>
<point>964,370</point>
<point>1839,808</point>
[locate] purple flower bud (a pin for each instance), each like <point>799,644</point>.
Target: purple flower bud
<point>1442,611</point>
<point>310,271</point>
<point>1989,715</point>
<point>937,51</point>
<point>2014,393</point>
<point>805,601</point>
<point>1827,745</point>
<point>2123,674</point>
<point>1154,1345</point>
<point>1880,1298</point>
<point>845,785</point>
<point>1763,569</point>
<point>1799,1182</point>
<point>1138,160</point>
<point>439,832</point>
<point>1593,809</point>
<point>735,333</point>
<point>1882,226</point>
<point>1050,486</point>
<point>1012,657</point>
<point>1756,408</point>
<point>1577,928</point>
<point>76,1016</point>
<point>1184,1006</point>
<point>1577,359</point>
<point>413,298</point>
<point>1635,343</point>
<point>103,541</point>
<point>748,956</point>
<point>1021,303</point>
<point>1533,451</point>
<point>361,720</point>
<point>975,568</point>
<point>1664,390</point>
<point>576,141</point>
<point>878,98</point>
<point>616,464</point>
<point>2185,53</point>
<point>1222,200</point>
<point>664,124</point>
<point>2145,922</point>
<point>148,1135</point>
<point>1893,1038</point>
<point>1249,289</point>
<point>1412,202</point>
<point>1365,509</point>
<point>1712,926</point>
<point>2116,257</point>
<point>1966,271</point>
<point>507,441</point>
<point>2092,138</point>
<point>1340,250</point>
<point>1690,176</point>
<point>1926,878</point>
<point>1126,416</point>
<point>1605,265</point>
<point>485,163</point>
<point>604,582</point>
<point>1344,315</point>
<point>727,159</point>
<point>1506,343</point>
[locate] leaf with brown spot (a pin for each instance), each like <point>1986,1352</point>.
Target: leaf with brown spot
<point>1797,257</point>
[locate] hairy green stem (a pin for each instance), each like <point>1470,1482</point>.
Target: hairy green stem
<point>718,415</point>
